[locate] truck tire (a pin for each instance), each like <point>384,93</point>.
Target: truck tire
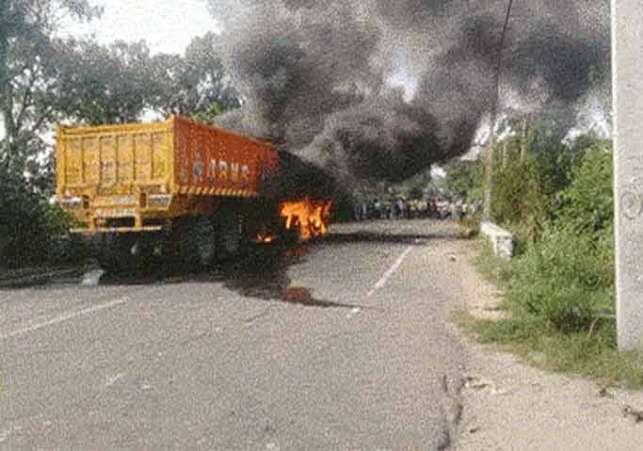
<point>205,241</point>
<point>230,234</point>
<point>114,252</point>
<point>194,240</point>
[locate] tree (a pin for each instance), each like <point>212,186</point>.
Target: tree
<point>28,224</point>
<point>96,84</point>
<point>208,115</point>
<point>26,50</point>
<point>197,83</point>
<point>587,204</point>
<point>464,177</point>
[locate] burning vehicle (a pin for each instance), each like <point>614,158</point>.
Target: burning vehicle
<point>184,189</point>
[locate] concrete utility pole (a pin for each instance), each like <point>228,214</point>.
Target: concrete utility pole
<point>488,186</point>
<point>627,98</point>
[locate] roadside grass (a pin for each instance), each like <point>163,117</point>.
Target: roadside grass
<point>589,351</point>
<point>495,269</point>
<point>468,228</point>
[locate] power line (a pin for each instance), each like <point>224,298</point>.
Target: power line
<point>494,112</point>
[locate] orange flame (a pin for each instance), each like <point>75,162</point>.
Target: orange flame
<point>265,238</point>
<point>311,217</point>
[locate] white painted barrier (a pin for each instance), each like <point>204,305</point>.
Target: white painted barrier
<point>501,239</point>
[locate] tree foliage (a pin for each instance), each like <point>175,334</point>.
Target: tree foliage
<point>196,83</point>
<point>29,225</point>
<point>567,277</point>
<point>98,84</point>
<point>464,178</point>
<point>27,66</point>
<point>528,182</point>
<point>587,205</point>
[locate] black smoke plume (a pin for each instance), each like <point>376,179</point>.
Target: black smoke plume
<point>316,75</point>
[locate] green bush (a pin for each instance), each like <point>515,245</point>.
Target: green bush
<point>567,277</point>
<point>560,292</point>
<point>31,229</point>
<point>587,205</point>
<point>518,201</point>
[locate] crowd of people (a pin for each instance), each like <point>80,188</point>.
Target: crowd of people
<point>414,209</point>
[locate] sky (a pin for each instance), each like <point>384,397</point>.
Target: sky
<point>167,26</point>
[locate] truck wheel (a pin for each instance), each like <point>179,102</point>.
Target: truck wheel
<point>205,240</point>
<point>194,240</point>
<point>114,252</point>
<point>230,231</point>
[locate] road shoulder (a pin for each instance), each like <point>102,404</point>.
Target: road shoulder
<point>510,405</point>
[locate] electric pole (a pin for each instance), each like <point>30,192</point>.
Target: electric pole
<point>488,188</point>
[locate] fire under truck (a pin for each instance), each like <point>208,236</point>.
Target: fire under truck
<point>184,189</point>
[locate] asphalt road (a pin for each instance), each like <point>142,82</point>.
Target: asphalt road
<point>342,346</point>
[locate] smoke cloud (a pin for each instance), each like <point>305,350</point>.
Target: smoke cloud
<point>315,74</point>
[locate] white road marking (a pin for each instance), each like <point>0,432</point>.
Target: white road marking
<point>65,317</point>
<point>4,435</point>
<point>387,275</point>
<point>114,379</point>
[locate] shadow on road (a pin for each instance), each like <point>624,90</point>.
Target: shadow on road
<point>374,237</point>
<point>260,274</point>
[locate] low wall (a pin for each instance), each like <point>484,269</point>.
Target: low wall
<point>501,239</point>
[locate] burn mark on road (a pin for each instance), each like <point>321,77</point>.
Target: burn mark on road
<point>265,277</point>
<point>261,274</point>
<point>303,296</point>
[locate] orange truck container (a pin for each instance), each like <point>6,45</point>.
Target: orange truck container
<point>179,178</point>
<point>130,177</point>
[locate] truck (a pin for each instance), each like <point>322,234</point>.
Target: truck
<point>184,189</point>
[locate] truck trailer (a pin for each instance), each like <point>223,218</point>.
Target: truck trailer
<point>183,189</point>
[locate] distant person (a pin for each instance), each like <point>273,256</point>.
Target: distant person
<point>357,210</point>
<point>413,209</point>
<point>456,210</point>
<point>401,208</point>
<point>422,208</point>
<point>377,206</point>
<point>475,207</point>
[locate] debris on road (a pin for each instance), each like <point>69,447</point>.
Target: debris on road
<point>92,278</point>
<point>636,414</point>
<point>604,393</point>
<point>354,311</point>
<point>480,384</point>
